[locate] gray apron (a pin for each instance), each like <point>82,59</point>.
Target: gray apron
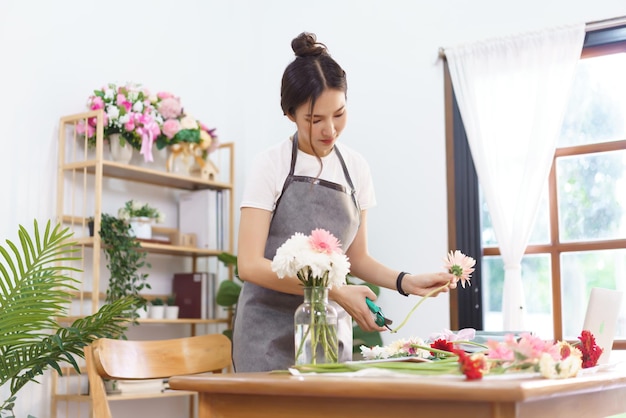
<point>263,332</point>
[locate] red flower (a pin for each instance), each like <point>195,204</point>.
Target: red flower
<point>591,351</point>
<point>472,366</point>
<point>442,345</point>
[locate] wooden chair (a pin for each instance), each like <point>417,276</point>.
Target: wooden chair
<point>122,359</point>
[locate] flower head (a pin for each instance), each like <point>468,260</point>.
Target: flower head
<point>460,265</point>
<point>566,364</point>
<point>472,366</point>
<point>315,259</point>
<point>411,347</point>
<point>442,345</point>
<point>324,242</point>
<point>591,352</point>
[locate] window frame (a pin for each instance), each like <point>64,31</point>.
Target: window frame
<point>466,307</point>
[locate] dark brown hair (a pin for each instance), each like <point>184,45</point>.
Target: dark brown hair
<point>306,78</point>
<point>312,72</point>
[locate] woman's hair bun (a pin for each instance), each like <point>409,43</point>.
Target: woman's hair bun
<point>306,45</point>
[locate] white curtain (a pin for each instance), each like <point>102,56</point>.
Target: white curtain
<point>512,93</point>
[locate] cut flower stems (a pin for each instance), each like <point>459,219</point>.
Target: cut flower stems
<point>319,263</point>
<point>516,354</point>
<point>316,328</point>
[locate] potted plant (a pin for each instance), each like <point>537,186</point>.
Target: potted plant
<point>90,225</point>
<point>124,261</point>
<point>157,309</point>
<point>140,216</point>
<point>36,287</point>
<point>171,309</point>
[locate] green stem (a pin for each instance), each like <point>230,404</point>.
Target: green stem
<point>429,294</point>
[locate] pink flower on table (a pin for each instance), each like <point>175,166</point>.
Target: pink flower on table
<point>324,242</point>
<point>532,347</point>
<point>171,128</point>
<point>500,351</point>
<point>170,108</point>
<point>460,265</point>
<point>465,334</point>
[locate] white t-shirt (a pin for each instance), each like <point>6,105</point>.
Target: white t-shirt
<point>270,169</point>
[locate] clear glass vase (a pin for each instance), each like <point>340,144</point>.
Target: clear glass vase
<point>315,323</point>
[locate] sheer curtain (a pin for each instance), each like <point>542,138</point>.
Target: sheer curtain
<point>512,94</point>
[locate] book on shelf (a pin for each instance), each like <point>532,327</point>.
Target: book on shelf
<point>195,295</point>
<point>140,386</point>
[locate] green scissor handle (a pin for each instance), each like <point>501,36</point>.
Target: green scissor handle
<point>380,320</point>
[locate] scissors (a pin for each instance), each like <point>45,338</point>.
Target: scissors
<point>378,312</point>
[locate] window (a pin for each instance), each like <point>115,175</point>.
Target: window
<point>579,238</point>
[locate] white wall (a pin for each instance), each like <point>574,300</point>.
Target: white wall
<point>225,60</point>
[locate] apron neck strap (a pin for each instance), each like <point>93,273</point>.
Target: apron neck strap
<point>294,155</point>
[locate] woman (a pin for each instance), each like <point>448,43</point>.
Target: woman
<point>303,183</point>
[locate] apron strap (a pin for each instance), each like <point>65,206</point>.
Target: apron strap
<point>294,155</point>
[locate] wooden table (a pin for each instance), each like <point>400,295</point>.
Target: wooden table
<point>256,395</point>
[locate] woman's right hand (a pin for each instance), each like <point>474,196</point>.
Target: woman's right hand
<point>352,299</point>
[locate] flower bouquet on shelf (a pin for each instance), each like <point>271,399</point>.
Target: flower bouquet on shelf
<point>141,216</point>
<point>130,117</point>
<point>184,136</point>
<point>319,263</point>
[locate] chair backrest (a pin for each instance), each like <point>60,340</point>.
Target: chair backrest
<point>123,359</point>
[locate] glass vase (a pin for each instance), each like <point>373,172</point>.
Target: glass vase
<point>315,322</point>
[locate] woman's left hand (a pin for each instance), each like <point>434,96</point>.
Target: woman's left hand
<point>422,284</point>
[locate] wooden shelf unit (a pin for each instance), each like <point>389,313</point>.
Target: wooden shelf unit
<point>80,185</point>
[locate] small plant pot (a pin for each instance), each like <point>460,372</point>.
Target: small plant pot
<point>156,312</point>
<point>141,227</point>
<point>90,225</point>
<point>171,312</point>
<point>142,313</point>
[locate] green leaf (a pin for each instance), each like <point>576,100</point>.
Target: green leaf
<point>187,135</point>
<point>36,286</point>
<point>366,338</point>
<point>228,293</point>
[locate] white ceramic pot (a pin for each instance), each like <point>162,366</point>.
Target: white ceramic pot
<point>141,227</point>
<point>142,313</point>
<point>119,153</point>
<point>156,312</point>
<point>171,312</point>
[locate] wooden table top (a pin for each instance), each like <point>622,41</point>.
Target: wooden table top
<point>504,388</point>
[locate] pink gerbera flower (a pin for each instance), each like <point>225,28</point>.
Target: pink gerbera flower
<point>460,265</point>
<point>324,242</point>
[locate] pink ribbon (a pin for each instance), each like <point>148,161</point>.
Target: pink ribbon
<point>147,139</point>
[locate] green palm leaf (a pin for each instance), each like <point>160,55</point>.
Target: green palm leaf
<point>35,287</point>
